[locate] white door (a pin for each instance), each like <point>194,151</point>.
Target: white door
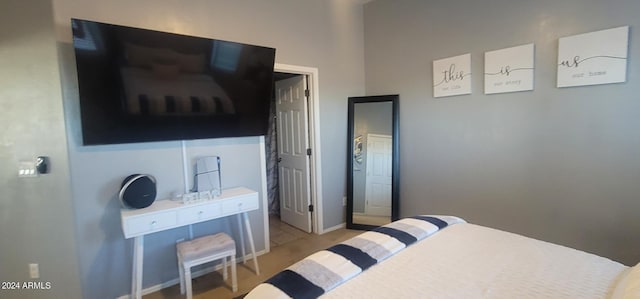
<point>378,180</point>
<point>293,141</point>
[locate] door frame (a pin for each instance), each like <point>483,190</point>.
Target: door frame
<point>315,163</point>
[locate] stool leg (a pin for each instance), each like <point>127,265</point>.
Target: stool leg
<point>225,276</point>
<point>181,272</point>
<point>187,281</point>
<point>234,280</point>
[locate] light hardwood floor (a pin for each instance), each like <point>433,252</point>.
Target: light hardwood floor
<point>288,245</point>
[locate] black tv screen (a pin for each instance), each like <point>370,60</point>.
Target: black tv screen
<point>139,85</point>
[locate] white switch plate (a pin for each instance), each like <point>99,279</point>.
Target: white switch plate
<point>27,169</point>
<point>344,201</point>
<point>34,271</point>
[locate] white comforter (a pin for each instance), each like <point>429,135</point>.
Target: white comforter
<point>471,261</point>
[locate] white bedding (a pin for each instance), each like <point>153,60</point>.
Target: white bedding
<point>471,261</point>
<point>181,86</point>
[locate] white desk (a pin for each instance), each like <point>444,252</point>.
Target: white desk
<point>167,214</point>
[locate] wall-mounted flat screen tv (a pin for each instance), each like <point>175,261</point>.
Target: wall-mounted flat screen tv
<point>139,85</point>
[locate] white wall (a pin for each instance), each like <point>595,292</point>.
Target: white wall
<point>556,164</point>
<point>327,35</point>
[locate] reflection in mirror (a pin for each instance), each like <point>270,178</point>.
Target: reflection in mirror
<point>372,198</point>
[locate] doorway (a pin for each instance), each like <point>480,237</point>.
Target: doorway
<point>378,176</point>
<point>293,155</point>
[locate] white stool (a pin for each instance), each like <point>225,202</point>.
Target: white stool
<point>203,250</point>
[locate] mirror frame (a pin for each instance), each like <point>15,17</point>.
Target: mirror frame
<point>395,178</point>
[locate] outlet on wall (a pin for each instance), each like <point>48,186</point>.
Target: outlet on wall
<point>344,201</point>
<point>34,271</point>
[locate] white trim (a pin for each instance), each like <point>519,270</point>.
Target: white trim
<point>265,198</point>
<point>314,139</point>
<point>337,227</point>
<point>379,135</point>
<point>185,168</point>
<point>194,275</point>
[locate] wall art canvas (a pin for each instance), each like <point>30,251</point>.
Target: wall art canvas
<point>598,57</point>
<point>509,70</point>
<point>452,76</point>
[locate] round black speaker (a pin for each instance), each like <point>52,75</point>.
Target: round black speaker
<point>138,191</point>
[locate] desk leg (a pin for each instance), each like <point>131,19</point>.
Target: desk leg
<point>247,226</point>
<point>240,230</point>
<point>136,275</point>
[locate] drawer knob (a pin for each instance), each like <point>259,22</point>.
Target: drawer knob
<point>153,223</point>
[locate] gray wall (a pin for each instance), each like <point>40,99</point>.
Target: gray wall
<point>556,164</point>
<point>36,214</point>
<point>331,40</point>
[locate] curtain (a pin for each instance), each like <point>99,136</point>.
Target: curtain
<point>271,147</point>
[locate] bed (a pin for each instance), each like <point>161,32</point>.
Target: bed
<point>166,82</point>
<point>168,92</point>
<point>446,257</point>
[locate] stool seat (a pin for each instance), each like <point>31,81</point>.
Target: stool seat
<point>203,250</point>
<point>205,246</point>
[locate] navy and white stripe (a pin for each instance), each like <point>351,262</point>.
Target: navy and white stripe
<point>326,269</point>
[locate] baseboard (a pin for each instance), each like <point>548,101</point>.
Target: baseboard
<point>176,281</point>
<point>337,227</point>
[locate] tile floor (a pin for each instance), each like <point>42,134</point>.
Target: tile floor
<point>288,245</point>
<point>281,233</point>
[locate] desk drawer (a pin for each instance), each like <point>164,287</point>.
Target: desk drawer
<point>199,213</point>
<point>240,204</point>
<point>149,223</point>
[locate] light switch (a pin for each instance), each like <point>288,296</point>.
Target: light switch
<point>27,169</point>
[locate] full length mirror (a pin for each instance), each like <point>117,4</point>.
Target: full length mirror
<point>372,181</point>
